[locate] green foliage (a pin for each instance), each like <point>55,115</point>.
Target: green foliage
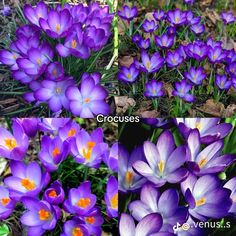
<point>4,230</point>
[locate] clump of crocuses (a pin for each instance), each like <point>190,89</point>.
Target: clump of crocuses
<point>37,183</point>
<point>52,39</point>
<point>172,48</point>
<point>165,186</point>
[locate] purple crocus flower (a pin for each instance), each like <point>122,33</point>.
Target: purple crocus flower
<point>212,43</point>
<point>210,128</point>
<point>189,1</point>
<point>196,21</point>
<point>69,130</point>
<point>197,29</point>
<point>222,82</point>
<point>128,74</point>
<point>54,71</point>
<point>74,44</point>
<point>37,60</point>
<point>128,13</point>
<point>128,179</point>
<point>111,157</point>
<point>206,197</point>
<point>216,55</point>
<point>228,17</point>
<point>89,149</point>
<point>6,203</point>
<point>150,64</point>
<point>159,15</point>
<point>33,14</point>
<point>149,26</point>
<point>234,82</point>
<point>165,41</point>
<point>231,185</point>
<point>174,59</point>
<point>182,91</point>
<point>80,201</point>
<point>6,11</point>
<point>54,194</point>
<point>74,227</point>
<point>40,217</point>
<point>9,58</point>
<point>57,24</point>
<point>28,31</point>
<point>54,93</point>
<point>196,76</point>
<point>52,125</point>
<point>209,160</point>
<point>154,89</point>
<point>197,51</point>
<point>149,225</point>
<point>166,204</point>
<point>30,125</point>
<point>96,76</point>
<point>136,38</point>
<point>13,146</point>
<point>162,163</point>
<point>53,152</point>
<point>88,100</point>
<point>26,180</point>
<point>144,43</point>
<point>176,17</point>
<point>158,122</point>
<point>111,197</point>
<point>231,69</point>
<point>171,31</point>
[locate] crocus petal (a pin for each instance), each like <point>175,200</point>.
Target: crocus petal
<point>139,210</point>
<point>126,226</point>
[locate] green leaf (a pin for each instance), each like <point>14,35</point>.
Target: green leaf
<point>4,230</point>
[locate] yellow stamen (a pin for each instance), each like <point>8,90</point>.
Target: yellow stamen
<point>114,201</point>
<point>54,72</point>
<point>52,193</point>
<point>200,202</point>
<point>90,220</point>
<point>198,125</point>
<point>44,215</point>
<point>214,57</point>
<point>153,91</point>
<point>174,61</point>
<point>39,62</point>
<point>77,232</point>
<point>14,56</point>
<point>87,100</point>
<point>58,28</point>
<point>58,90</point>
<point>87,154</point>
<point>194,77</point>
<point>148,65</point>
<point>73,43</point>
<point>177,19</point>
<point>129,76</point>
<point>84,202</point>
<point>202,162</point>
<point>27,184</point>
<point>10,143</point>
<point>5,201</point>
<point>129,177</point>
<point>71,132</point>
<point>56,151</point>
<point>161,166</point>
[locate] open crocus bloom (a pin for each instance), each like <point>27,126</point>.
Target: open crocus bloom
<point>209,159</point>
<point>164,161</point>
<point>74,227</point>
<point>206,197</point>
<point>182,90</point>
<point>6,203</point>
<point>69,130</point>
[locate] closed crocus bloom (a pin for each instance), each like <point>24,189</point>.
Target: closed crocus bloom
<point>26,180</point>
<point>165,204</point>
<point>74,227</point>
<point>150,64</point>
<point>128,179</point>
<point>154,89</point>
<point>159,15</point>
<point>53,152</point>
<point>110,157</point>
<point>196,76</point>
<point>96,76</point>
<point>213,44</point>
<point>111,197</point>
<point>149,225</point>
<point>231,68</point>
<point>40,217</point>
<point>174,59</point>
<point>54,93</point>
<point>28,31</point>
<point>222,82</point>
<point>144,43</point>
<point>149,26</point>
<point>13,146</point>
<point>54,194</point>
<point>88,100</point>
<point>88,149</point>
<point>128,13</point>
<point>216,54</point>
<point>30,125</point>
<point>231,185</point>
<point>54,71</point>
<point>57,24</point>
<point>198,29</point>
<point>206,197</point>
<point>69,130</point>
<point>52,125</point>
<point>176,17</point>
<point>228,17</point>
<point>128,74</point>
<point>80,200</point>
<point>182,90</point>
<point>33,14</point>
<point>162,163</point>
<point>6,203</point>
<point>209,160</point>
<point>165,41</point>
<point>210,129</point>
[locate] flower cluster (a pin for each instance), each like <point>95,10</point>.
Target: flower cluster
<point>49,201</point>
<point>154,178</point>
<point>52,39</point>
<point>173,47</point>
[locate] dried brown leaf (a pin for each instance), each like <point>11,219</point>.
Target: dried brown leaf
<point>126,61</point>
<point>206,3</point>
<point>230,111</point>
<point>168,89</point>
<point>147,114</point>
<point>8,101</point>
<point>123,103</point>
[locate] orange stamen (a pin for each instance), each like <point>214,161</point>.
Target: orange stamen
<point>43,214</point>
<point>84,202</point>
<point>27,184</point>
